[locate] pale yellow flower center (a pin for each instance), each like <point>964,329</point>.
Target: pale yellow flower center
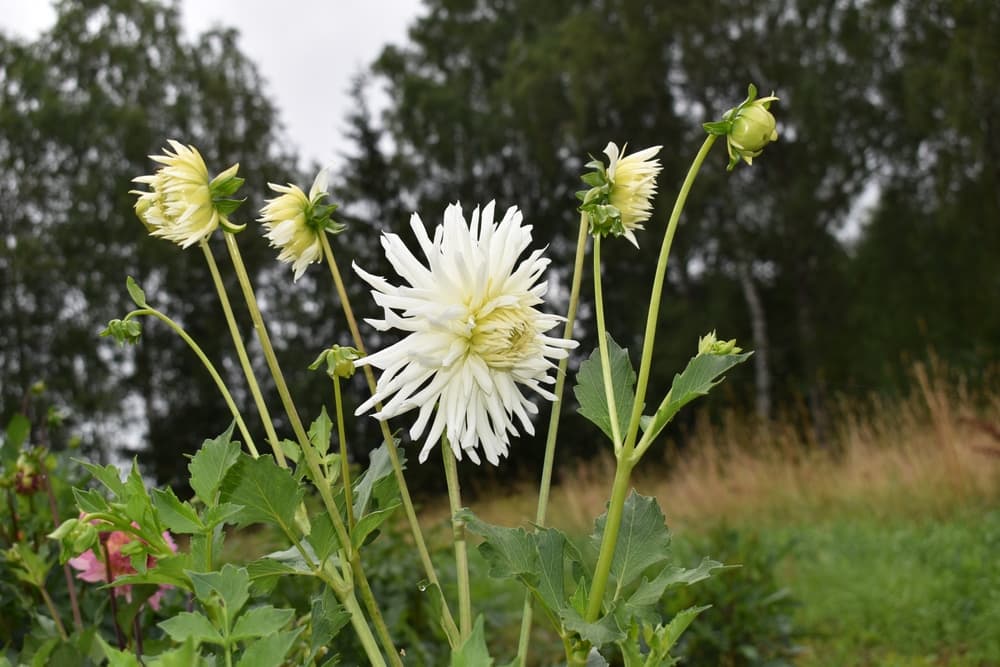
<point>503,337</point>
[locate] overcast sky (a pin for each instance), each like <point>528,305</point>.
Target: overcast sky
<point>306,50</point>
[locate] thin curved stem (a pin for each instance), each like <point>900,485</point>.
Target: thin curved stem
<point>654,302</point>
<point>602,344</point>
<point>447,620</point>
<point>241,352</point>
<point>550,438</point>
<point>228,397</point>
<point>458,535</point>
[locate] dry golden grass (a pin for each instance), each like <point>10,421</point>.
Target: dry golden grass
<point>924,455</point>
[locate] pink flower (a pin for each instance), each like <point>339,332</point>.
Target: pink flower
<point>93,569</point>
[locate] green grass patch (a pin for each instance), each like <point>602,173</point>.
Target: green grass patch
<point>891,591</point>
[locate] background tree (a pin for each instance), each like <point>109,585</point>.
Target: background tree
<point>886,101</point>
<point>82,107</point>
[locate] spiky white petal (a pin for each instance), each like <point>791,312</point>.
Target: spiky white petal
<point>633,185</point>
<point>178,206</point>
<point>286,218</point>
<point>474,336</point>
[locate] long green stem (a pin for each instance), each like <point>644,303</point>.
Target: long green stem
<point>179,330</point>
<point>447,620</point>
<point>619,491</point>
<point>368,598</point>
<point>458,534</point>
<point>550,437</point>
<point>241,352</point>
<point>345,467</point>
<point>363,631</point>
<point>657,292</point>
<point>308,451</point>
<point>55,614</point>
<point>602,344</point>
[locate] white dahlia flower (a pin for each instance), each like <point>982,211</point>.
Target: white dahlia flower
<point>294,222</point>
<point>184,205</point>
<point>633,185</point>
<point>474,336</point>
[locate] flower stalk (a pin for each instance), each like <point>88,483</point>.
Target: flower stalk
<point>241,353</point>
<point>308,451</point>
<point>209,366</point>
<point>458,536</point>
<point>448,620</point>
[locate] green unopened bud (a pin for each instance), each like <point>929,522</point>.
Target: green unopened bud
<point>748,127</point>
<point>38,388</point>
<point>74,537</point>
<point>339,361</point>
<point>753,128</point>
<point>123,331</point>
<point>709,344</point>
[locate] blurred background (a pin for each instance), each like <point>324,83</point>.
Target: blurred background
<point>858,257</point>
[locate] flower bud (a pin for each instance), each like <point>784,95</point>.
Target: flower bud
<point>748,128</point>
<point>709,344</point>
<point>123,331</point>
<point>339,361</point>
<point>753,128</point>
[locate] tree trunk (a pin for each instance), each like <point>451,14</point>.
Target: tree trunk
<point>758,324</point>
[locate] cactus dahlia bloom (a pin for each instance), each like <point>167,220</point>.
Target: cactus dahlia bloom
<point>474,336</point>
<point>620,198</point>
<point>633,185</point>
<point>294,222</point>
<point>183,203</point>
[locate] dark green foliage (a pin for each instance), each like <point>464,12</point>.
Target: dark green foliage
<point>749,621</point>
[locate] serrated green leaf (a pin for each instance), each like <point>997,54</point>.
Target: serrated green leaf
<point>600,633</point>
<point>177,516</point>
<point>90,501</point>
<point>209,465</point>
<point>589,389</point>
<point>643,541</point>
<point>230,586</point>
<point>323,537</point>
<point>320,432</point>
<point>649,592</point>
<point>169,570</point>
<point>541,561</point>
<point>664,637</point>
<point>328,618</point>
<point>107,475</point>
<point>265,571</point>
<point>267,493</point>
<point>290,449</point>
<point>190,625</point>
<point>269,651</point>
<point>136,293</point>
<point>260,621</point>
<point>220,513</point>
<point>370,522</point>
<point>185,656</point>
<point>696,380</point>
<point>473,651</point>
<point>379,468</point>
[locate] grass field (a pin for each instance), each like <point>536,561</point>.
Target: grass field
<point>885,540</point>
